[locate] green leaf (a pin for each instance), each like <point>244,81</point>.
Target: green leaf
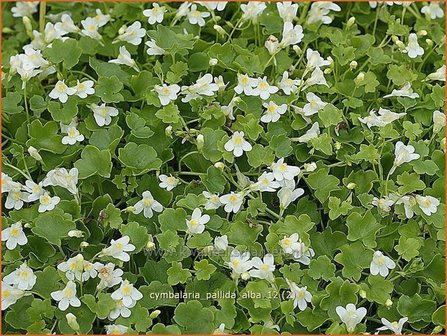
<point>107,138</point>
<point>108,89</point>
<point>11,103</point>
<point>139,158</point>
<point>337,209</point>
<point>45,137</point>
<point>378,290</point>
<point>52,227</point>
<point>321,268</point>
<point>204,269</point>
<point>168,240</point>
<point>94,162</point>
<point>177,71</point>
<point>111,216</point>
<point>138,235</point>
<point>409,183</point>
<point>214,181</point>
<point>330,115</point>
<point>137,126</point>
<point>323,143</point>
<point>193,318</point>
<point>156,295</point>
<point>63,113</point>
<point>363,228</point>
<point>177,274</point>
<point>354,258</point>
<point>323,184</point>
<point>211,139</point>
<point>67,51</point>
<point>416,308</point>
<point>425,167</point>
<point>408,248</point>
<point>260,155</point>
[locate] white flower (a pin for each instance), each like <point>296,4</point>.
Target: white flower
<point>428,204</point>
<point>35,190</point>
<point>8,183</point>
<point>127,293</point>
<point>118,249</point>
<point>221,243</point>
<point>272,45</point>
<point>73,267</point>
<point>286,10</point>
<point>381,264</point>
<point>196,224</point>
<point>34,153</point>
<point>438,75</point>
<point>300,295</point>
<point>312,133</point>
<point>32,58</point>
<point>403,155</point>
<point>125,58</point>
<point>319,11</point>
<point>167,93</point>
<point>237,144</point>
<point>387,117</point>
<point>314,104</point>
<point>433,10</point>
<point>22,278</point>
<point>62,178</point>
<point>48,203</point>
<point>90,26</point>
<point>245,84</point>
<point>155,14</point>
<point>395,327</point>
<point>232,201</point>
<point>183,9</point>
<point>405,91</point>
<point>101,19</point>
<point>290,244</point>
<point>204,86</point>
<point>14,235</point>
<point>10,295</point>
<point>264,268</point>
<point>61,91</point>
<point>132,34</point>
<point>282,171</point>
<point>288,85</point>
<point>303,254</point>
<point>115,329</point>
<point>310,167</point>
<point>24,8</point>
<point>219,81</point>
<point>153,48</point>
<point>147,205</point>
<point>90,271</point>
<point>72,136</point>
<point>383,203</point>
<point>408,202</point>
<point>314,59</point>
<point>15,197</point>
<point>273,112</point>
<point>108,275</point>
<point>168,182</point>
<point>263,89</point>
<point>240,263</point>
<point>66,297</point>
<point>103,114</point>
<point>438,121</point>
<point>121,310</point>
<point>266,182</point>
<point>213,5</point>
<point>85,88</point>
<point>350,316</point>
<point>291,34</point>
<point>316,78</point>
<point>212,201</point>
<point>252,10</point>
<point>413,49</point>
<point>66,25</point>
<point>196,17</point>
<point>288,195</point>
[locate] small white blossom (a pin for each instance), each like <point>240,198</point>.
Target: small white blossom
<point>167,93</point>
<point>252,10</point>
<point>125,58</point>
<point>288,85</point>
<point>300,295</point>
<point>413,49</point>
<point>287,10</point>
<point>381,264</point>
<point>108,275</point>
<point>245,84</point>
<point>72,136</point>
<point>22,278</point>
<point>121,310</point>
<point>147,205</point>
<point>310,167</point>
<point>90,271</point>
<point>196,17</point>
<point>237,144</point>
<point>263,89</point>
<point>66,25</point>
<point>155,14</point>
<point>115,329</point>
<point>232,202</point>
<point>319,12</point>
<point>433,10</point>
<point>212,201</point>
<point>85,88</point>
<point>351,316</point>
<point>383,203</point>
<point>35,190</point>
<point>10,295</point>
<point>288,195</point>
<point>34,153</point>
<point>16,197</point>
<point>90,28</point>
<point>168,182</point>
<point>404,91</point>
<point>283,171</point>
<point>316,78</point>
<point>214,5</point>
<point>403,155</point>
<point>62,178</point>
<point>290,244</point>
<point>314,104</point>
<point>240,263</point>
<point>14,235</point>
<point>132,34</point>
<point>438,121</point>
<point>303,254</point>
<point>153,48</point>
<point>196,224</point>
<point>127,293</point>
<point>61,91</point>
<point>314,59</point>
<point>266,182</point>
<point>103,114</point>
<point>66,297</point>
<point>221,243</point>
<point>312,133</point>
<point>273,112</point>
<point>272,45</point>
<point>118,249</point>
<point>263,268</point>
<point>73,267</point>
<point>48,203</point>
<point>204,86</point>
<point>438,75</point>
<point>428,204</point>
<point>395,327</point>
<point>24,8</point>
<point>408,202</point>
<point>291,34</point>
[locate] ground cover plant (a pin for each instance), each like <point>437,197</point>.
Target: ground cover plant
<point>213,167</point>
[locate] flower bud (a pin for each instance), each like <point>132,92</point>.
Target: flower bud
<point>350,22</point>
<point>327,71</point>
<point>437,330</point>
<point>400,44</point>
<point>297,50</point>
<point>443,144</point>
<point>220,30</point>
<point>208,250</point>
<point>200,141</point>
<point>72,321</point>
<point>155,314</point>
<point>359,79</point>
<point>272,45</point>
<point>150,246</point>
<point>429,42</point>
<point>122,30</point>
<point>213,61</point>
<point>168,131</point>
<point>28,26</point>
<point>310,167</point>
<point>245,276</point>
<point>351,185</point>
<point>34,153</point>
<point>75,234</point>
<point>394,38</point>
<point>422,33</point>
<point>27,225</point>
<point>7,30</point>
<point>219,165</point>
<point>337,145</point>
<point>84,244</point>
<point>388,303</point>
<point>362,294</point>
<point>353,65</point>
<point>129,209</point>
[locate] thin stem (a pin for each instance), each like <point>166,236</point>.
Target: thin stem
<point>42,12</point>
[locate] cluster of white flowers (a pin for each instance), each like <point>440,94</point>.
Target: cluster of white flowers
<point>294,246</point>
<point>16,283</point>
<point>244,267</point>
<point>82,89</point>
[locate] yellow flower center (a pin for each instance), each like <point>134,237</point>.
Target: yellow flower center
<point>380,260</point>
<point>5,293</point>
<point>147,202</point>
<point>36,188</point>
<point>283,167</point>
<point>16,195</point>
<point>119,246</point>
<point>300,295</point>
<point>127,290</point>
<point>45,199</point>
<point>263,85</point>
<point>14,232</point>
<point>244,80</point>
<point>236,263</point>
<point>265,268</point>
<point>287,242</point>
<point>237,140</point>
<point>166,91</point>
<point>81,86</point>
<point>170,180</point>
<point>271,109</point>
<point>23,275</point>
<point>427,202</point>
<point>233,199</point>
<point>71,133</point>
<point>67,292</point>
